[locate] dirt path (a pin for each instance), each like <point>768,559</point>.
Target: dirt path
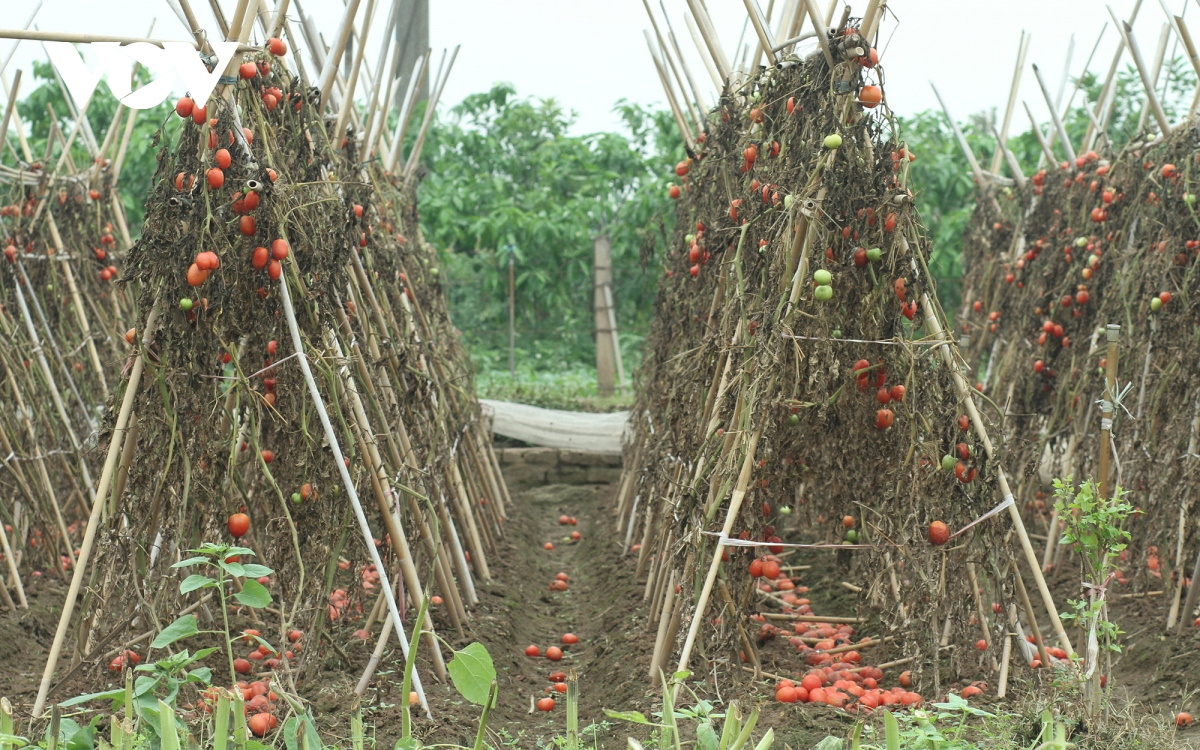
<point>518,609</point>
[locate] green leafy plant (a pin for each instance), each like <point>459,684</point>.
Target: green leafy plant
<point>735,732</point>
<point>230,578</point>
<point>1094,525</point>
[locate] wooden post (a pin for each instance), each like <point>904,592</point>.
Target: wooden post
<point>1107,405</point>
<point>605,335</point>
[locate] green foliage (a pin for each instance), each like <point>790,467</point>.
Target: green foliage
<point>572,388</point>
<point>1095,526</point>
<point>473,673</point>
<point>137,171</point>
<point>505,172</point>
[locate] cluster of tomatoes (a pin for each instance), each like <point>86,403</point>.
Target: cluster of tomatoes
<point>863,372</point>
<point>264,652</point>
<point>558,680</point>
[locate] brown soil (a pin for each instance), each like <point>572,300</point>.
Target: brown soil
<point>603,606</point>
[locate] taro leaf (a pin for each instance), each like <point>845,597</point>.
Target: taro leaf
<point>473,673</point>
<point>190,561</point>
<point>104,695</point>
<point>193,582</point>
<point>253,594</point>
<point>706,736</point>
<point>182,628</point>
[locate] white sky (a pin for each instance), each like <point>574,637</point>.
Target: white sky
<point>587,55</point>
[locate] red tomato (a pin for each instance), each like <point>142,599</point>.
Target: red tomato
<point>247,70</point>
<point>939,534</point>
<point>554,653</point>
<point>215,177</point>
<point>223,158</point>
<point>259,258</point>
<point>239,524</point>
<point>277,46</point>
<point>533,652</point>
<point>545,704</point>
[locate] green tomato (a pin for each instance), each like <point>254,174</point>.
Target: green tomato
<point>1081,242</point>
<point>185,304</point>
<point>823,293</point>
<point>837,333</point>
<point>785,511</point>
<point>833,140</point>
<point>1189,198</point>
<point>948,462</point>
<point>433,271</point>
<point>689,239</point>
<point>852,536</point>
<point>874,254</point>
<point>822,277</point>
<point>787,201</point>
<point>794,419</point>
<point>296,497</point>
<point>1155,304</point>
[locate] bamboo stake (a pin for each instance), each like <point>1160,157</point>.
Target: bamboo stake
<point>339,130</point>
<point>10,107</point>
<point>14,574</point>
<point>102,487</point>
<point>86,330</point>
<point>980,612</point>
<point>347,481</point>
<point>820,26</point>
<point>962,139</point>
<point>1002,137</point>
<point>1013,166</point>
<point>410,97</point>
<point>664,621</point>
<point>1047,151</point>
<point>1155,67</point>
<point>1101,102</point>
<point>37,35</point>
<point>935,329</point>
<point>385,54</point>
<point>665,54</point>
<point>1186,37</point>
<point>1193,595</point>
<point>705,55</point>
<point>414,156</point>
<point>1173,614</point>
<point>709,34</point>
<point>1151,99</point>
<point>735,505</point>
<point>334,59</point>
<point>685,132</point>
<point>766,43</point>
<point>687,71</point>
<point>1029,614</point>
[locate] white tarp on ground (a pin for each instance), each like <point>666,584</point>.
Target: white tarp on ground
<point>566,430</point>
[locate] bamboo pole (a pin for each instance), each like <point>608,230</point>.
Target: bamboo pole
<point>381,65</point>
<point>85,329</point>
<point>347,481</point>
<point>339,130</point>
<point>334,59</point>
<point>102,487</point>
<point>414,156</point>
<point>687,71</point>
<point>1030,615</point>
<point>819,25</point>
<point>10,107</point>
<point>678,78</point>
<point>1155,67</point>
<point>711,41</point>
<point>410,98</point>
<point>1047,151</point>
<point>15,574</point>
<point>685,132</point>
<point>705,54</point>
<point>964,391</point>
<point>735,504</point>
<point>1151,99</point>
<point>962,139</point>
<point>1101,101</point>
<point>1013,166</point>
<point>1186,37</point>
<point>1002,136</point>
<point>766,43</point>
<point>37,35</point>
